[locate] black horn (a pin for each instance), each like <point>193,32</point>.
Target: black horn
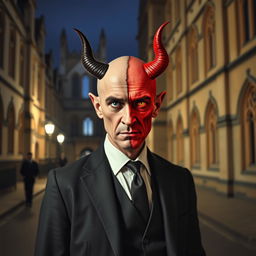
<point>94,67</point>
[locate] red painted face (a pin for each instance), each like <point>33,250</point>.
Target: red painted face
<point>127,102</point>
<point>141,97</point>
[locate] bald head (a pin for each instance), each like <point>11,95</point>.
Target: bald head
<point>125,72</point>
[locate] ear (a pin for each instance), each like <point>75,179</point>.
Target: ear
<point>96,103</point>
<point>158,103</point>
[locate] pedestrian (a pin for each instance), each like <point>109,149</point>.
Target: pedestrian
<point>122,199</point>
<point>62,160</point>
<point>29,170</point>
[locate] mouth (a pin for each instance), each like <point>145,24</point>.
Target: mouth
<point>129,133</point>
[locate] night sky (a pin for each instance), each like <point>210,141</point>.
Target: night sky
<point>117,17</point>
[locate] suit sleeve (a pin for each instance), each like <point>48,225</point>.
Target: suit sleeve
<point>195,247</point>
<point>53,234</point>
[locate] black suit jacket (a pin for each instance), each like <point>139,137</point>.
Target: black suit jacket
<point>79,214</point>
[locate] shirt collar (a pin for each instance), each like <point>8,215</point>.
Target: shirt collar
<point>118,159</point>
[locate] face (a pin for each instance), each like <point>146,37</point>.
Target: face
<point>127,102</point>
<point>29,157</point>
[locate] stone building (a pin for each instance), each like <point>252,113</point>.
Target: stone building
<point>83,129</point>
<point>208,121</point>
<point>22,86</point>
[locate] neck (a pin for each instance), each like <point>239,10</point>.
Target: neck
<point>130,152</point>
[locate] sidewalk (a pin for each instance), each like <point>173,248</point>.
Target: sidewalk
<point>10,201</point>
<point>231,216</point>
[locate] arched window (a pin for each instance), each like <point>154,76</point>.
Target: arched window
<point>169,81</point>
<point>21,133</point>
<point>12,52</point>
<point>212,135</point>
<point>39,84</point>
<point>209,38</point>
<point>177,10</point>
<point>11,128</point>
<point>22,65</point>
<point>2,33</point>
<point>247,20</point>
<point>249,127</point>
<point>178,70</point>
<point>180,142</point>
<point>88,126</point>
<point>168,17</point>
<point>76,86</point>
<point>195,139</point>
<point>170,142</point>
<point>1,123</point>
<point>86,87</point>
<point>193,55</point>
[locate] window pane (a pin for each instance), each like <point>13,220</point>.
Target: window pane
<point>88,127</point>
<point>85,89</point>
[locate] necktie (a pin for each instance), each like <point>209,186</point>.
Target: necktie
<point>138,190</point>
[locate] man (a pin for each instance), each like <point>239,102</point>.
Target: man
<point>122,199</point>
<point>29,170</point>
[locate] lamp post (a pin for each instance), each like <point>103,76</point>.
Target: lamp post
<point>49,129</point>
<point>60,138</point>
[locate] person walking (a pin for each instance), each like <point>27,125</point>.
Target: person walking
<point>29,170</point>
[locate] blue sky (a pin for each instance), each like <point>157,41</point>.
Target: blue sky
<point>117,17</point>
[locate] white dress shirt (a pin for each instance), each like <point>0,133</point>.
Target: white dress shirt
<point>118,160</point>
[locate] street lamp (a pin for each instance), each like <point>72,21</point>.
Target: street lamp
<point>49,129</point>
<point>60,138</point>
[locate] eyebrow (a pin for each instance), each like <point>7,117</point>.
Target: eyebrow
<point>110,99</point>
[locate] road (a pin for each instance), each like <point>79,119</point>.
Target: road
<point>18,231</point>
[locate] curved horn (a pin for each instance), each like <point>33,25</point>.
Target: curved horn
<point>94,67</point>
<point>159,64</point>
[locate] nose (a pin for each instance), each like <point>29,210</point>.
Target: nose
<point>128,116</point>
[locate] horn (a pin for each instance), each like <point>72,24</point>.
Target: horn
<point>159,64</point>
<point>94,67</point>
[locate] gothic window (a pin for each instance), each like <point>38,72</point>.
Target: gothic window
<point>180,142</point>
<point>249,127</point>
<point>247,20</point>
<point>170,142</point>
<point>1,123</point>
<point>11,128</point>
<point>178,71</point>
<point>88,127</point>
<point>195,139</point>
<point>12,52</point>
<point>76,86</point>
<point>22,65</point>
<point>212,135</point>
<point>209,38</point>
<point>2,33</point>
<point>39,84</point>
<point>177,10</point>
<point>85,87</point>
<point>168,17</point>
<point>170,81</point>
<point>21,133</point>
<point>193,55</point>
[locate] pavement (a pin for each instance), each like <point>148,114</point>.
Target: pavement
<point>233,217</point>
<point>12,200</point>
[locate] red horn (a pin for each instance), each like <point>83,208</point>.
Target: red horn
<point>159,64</point>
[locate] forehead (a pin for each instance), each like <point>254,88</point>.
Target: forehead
<point>126,76</point>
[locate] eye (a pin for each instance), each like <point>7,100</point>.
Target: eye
<point>116,104</point>
<point>141,104</point>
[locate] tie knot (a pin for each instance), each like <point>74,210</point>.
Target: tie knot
<point>134,166</point>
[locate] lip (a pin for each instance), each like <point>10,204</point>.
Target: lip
<point>129,133</point>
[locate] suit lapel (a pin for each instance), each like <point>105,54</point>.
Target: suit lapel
<point>164,182</point>
<point>99,185</point>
